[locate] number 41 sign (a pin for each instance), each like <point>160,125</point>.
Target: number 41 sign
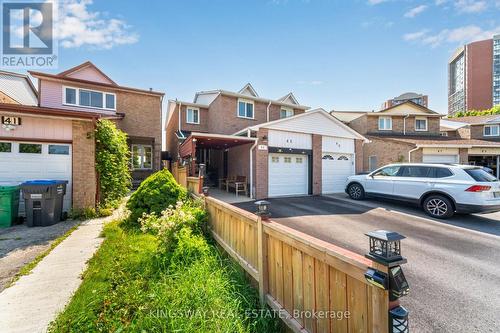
<point>6,120</point>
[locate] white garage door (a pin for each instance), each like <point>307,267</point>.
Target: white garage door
<point>335,170</point>
<point>21,161</point>
<point>288,175</point>
<point>440,158</point>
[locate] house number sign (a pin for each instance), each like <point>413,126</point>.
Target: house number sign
<point>15,121</point>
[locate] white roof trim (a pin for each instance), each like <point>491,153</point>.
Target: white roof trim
<point>248,87</point>
<point>305,114</point>
<point>223,136</point>
<point>289,96</point>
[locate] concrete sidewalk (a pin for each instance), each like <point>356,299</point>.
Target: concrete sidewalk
<point>36,299</point>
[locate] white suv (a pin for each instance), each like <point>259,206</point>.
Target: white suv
<point>440,189</point>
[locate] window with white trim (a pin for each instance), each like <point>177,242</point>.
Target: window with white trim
<point>420,124</point>
<point>491,130</point>
<point>286,112</point>
<point>141,157</point>
<point>384,123</point>
<point>192,115</point>
<point>245,109</point>
<point>89,98</point>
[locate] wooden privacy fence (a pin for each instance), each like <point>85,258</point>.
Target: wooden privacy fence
<point>316,286</point>
<point>194,184</point>
<point>180,174</point>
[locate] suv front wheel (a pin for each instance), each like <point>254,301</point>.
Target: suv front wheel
<point>356,191</point>
<point>438,206</point>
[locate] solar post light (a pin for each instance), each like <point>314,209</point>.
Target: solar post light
<point>201,169</point>
<point>205,190</point>
<point>263,209</point>
<point>385,248</point>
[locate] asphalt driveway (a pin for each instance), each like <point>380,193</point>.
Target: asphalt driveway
<point>453,265</point>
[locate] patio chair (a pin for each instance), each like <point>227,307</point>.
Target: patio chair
<point>224,182</point>
<point>240,185</point>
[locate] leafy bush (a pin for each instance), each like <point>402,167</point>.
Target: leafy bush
<point>89,213</point>
<point>494,110</point>
<point>154,195</point>
<point>189,248</point>
<point>185,215</point>
<point>112,163</point>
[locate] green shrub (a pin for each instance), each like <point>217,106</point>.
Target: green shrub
<point>112,163</point>
<point>188,249</point>
<point>185,215</point>
<point>155,194</point>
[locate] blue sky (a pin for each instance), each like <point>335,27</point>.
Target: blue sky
<point>345,55</point>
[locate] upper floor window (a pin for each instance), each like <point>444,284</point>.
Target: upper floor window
<point>245,109</point>
<point>286,112</point>
<point>491,130</point>
<point>420,124</point>
<point>89,98</point>
<point>385,123</point>
<point>192,116</point>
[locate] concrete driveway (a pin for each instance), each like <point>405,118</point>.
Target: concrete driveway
<point>453,265</point>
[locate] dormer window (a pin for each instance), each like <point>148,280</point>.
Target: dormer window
<point>384,123</point>
<point>420,124</point>
<point>286,112</point>
<point>89,98</point>
<point>245,109</point>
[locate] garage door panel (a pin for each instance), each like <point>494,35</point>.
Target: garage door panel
<point>335,170</point>
<point>19,167</point>
<point>427,158</point>
<point>288,175</point>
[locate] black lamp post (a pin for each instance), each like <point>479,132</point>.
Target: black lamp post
<point>385,247</point>
<point>263,209</point>
<point>205,190</point>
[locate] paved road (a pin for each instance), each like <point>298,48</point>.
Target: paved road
<point>453,266</point>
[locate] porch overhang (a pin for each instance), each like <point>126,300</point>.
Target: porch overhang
<point>211,141</point>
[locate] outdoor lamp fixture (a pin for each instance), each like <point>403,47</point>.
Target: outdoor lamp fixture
<point>263,209</point>
<point>385,247</point>
<point>205,190</point>
<point>398,320</point>
<point>202,167</point>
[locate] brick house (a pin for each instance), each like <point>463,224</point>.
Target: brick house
<point>266,142</point>
<point>53,133</point>
<point>410,132</point>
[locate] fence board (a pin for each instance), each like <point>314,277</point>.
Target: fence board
<point>300,274</point>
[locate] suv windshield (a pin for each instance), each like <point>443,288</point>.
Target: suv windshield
<point>480,175</point>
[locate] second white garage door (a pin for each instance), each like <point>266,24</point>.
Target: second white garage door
<point>288,175</point>
<point>440,158</point>
<point>335,170</point>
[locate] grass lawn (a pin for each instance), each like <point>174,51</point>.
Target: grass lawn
<point>127,289</point>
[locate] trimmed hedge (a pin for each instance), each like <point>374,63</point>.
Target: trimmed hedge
<point>155,194</point>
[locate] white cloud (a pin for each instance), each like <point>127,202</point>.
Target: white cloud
<point>470,6</point>
<point>415,11</point>
<point>440,2</point>
<point>376,2</point>
<point>460,35</point>
<point>415,35</point>
<point>78,26</point>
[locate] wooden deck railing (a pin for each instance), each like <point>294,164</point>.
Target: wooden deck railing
<point>194,184</point>
<point>317,286</point>
<point>180,174</point>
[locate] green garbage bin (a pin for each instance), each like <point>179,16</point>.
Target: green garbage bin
<point>9,203</point>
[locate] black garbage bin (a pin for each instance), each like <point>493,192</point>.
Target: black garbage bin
<point>43,201</point>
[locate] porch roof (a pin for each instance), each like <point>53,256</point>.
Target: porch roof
<point>214,141</point>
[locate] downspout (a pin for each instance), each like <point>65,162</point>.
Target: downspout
<point>251,164</point>
<point>411,151</point>
<point>404,124</point>
<point>267,110</point>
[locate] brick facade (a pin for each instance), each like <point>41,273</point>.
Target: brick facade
<point>400,125</point>
<point>359,151</point>
<point>388,151</point>
<point>317,164</point>
<point>84,174</point>
<point>463,155</point>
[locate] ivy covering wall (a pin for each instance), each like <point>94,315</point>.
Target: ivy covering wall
<point>112,163</point>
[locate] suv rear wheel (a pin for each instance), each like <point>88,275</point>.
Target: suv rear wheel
<point>356,191</point>
<point>438,206</point>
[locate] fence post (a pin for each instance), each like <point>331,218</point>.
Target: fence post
<point>262,261</point>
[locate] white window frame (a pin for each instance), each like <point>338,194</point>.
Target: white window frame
<point>491,127</point>
<point>385,123</point>
<point>246,101</point>
<point>288,112</point>
<point>193,110</point>
<point>142,155</point>
<point>104,93</point>
<point>426,124</point>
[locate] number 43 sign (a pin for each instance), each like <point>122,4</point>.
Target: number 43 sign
<point>6,120</point>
